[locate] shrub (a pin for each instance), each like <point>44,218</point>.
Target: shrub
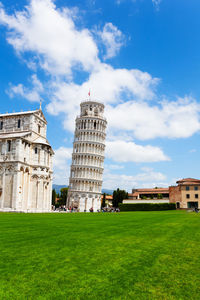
<point>160,196</point>
<point>146,206</point>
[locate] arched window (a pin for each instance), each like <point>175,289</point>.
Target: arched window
<point>9,146</point>
<point>19,123</point>
<point>95,124</point>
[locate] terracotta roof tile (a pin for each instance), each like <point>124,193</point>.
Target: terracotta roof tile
<point>149,191</point>
<point>186,181</point>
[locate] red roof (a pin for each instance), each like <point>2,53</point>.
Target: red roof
<point>108,197</point>
<point>150,191</point>
<point>188,181</point>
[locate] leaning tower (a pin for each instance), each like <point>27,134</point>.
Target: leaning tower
<point>88,157</point>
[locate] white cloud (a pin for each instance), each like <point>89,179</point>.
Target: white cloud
<point>122,151</point>
<point>175,119</point>
<point>57,46</point>
<point>32,95</point>
<point>61,165</point>
<point>112,38</point>
<point>156,3</point>
<point>114,167</point>
<point>51,33</point>
<point>107,83</point>
<point>146,179</point>
<point>193,150</point>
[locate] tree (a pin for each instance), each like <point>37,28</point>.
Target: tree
<point>63,196</point>
<point>160,196</point>
<point>103,204</point>
<point>118,197</point>
<point>54,197</point>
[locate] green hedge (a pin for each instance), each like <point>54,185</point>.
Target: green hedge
<point>146,206</point>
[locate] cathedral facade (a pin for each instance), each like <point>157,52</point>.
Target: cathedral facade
<point>25,163</point>
<point>85,181</point>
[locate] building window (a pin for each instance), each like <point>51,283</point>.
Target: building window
<point>36,150</point>
<point>187,188</point>
<point>188,196</point>
<point>1,125</point>
<point>196,188</point>
<point>38,128</point>
<point>19,123</point>
<point>9,146</point>
<point>196,196</point>
<point>39,156</point>
<point>95,124</point>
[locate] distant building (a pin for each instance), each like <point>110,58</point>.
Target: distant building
<point>108,200</point>
<point>25,162</point>
<point>155,195</point>
<point>186,194</point>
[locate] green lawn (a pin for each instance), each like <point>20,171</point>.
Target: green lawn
<point>134,255</point>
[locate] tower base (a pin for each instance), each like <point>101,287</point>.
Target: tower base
<point>83,202</point>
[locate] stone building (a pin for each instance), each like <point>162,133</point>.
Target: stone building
<point>25,162</point>
<point>186,194</point>
<point>85,181</point>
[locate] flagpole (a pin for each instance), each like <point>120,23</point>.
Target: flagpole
<point>89,95</point>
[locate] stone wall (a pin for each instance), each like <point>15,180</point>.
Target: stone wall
<point>174,194</point>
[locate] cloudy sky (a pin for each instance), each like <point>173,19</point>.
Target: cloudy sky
<point>141,58</point>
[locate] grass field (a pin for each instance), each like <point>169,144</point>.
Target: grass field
<point>135,255</point>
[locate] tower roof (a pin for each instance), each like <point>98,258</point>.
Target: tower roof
<point>91,102</point>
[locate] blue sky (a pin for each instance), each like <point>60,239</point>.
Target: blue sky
<point>141,58</point>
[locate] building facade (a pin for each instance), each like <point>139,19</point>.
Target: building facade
<point>186,194</point>
<point>148,195</point>
<point>25,163</point>
<point>85,181</point>
<point>151,193</point>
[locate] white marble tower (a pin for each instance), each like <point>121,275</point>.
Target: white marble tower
<point>85,181</point>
